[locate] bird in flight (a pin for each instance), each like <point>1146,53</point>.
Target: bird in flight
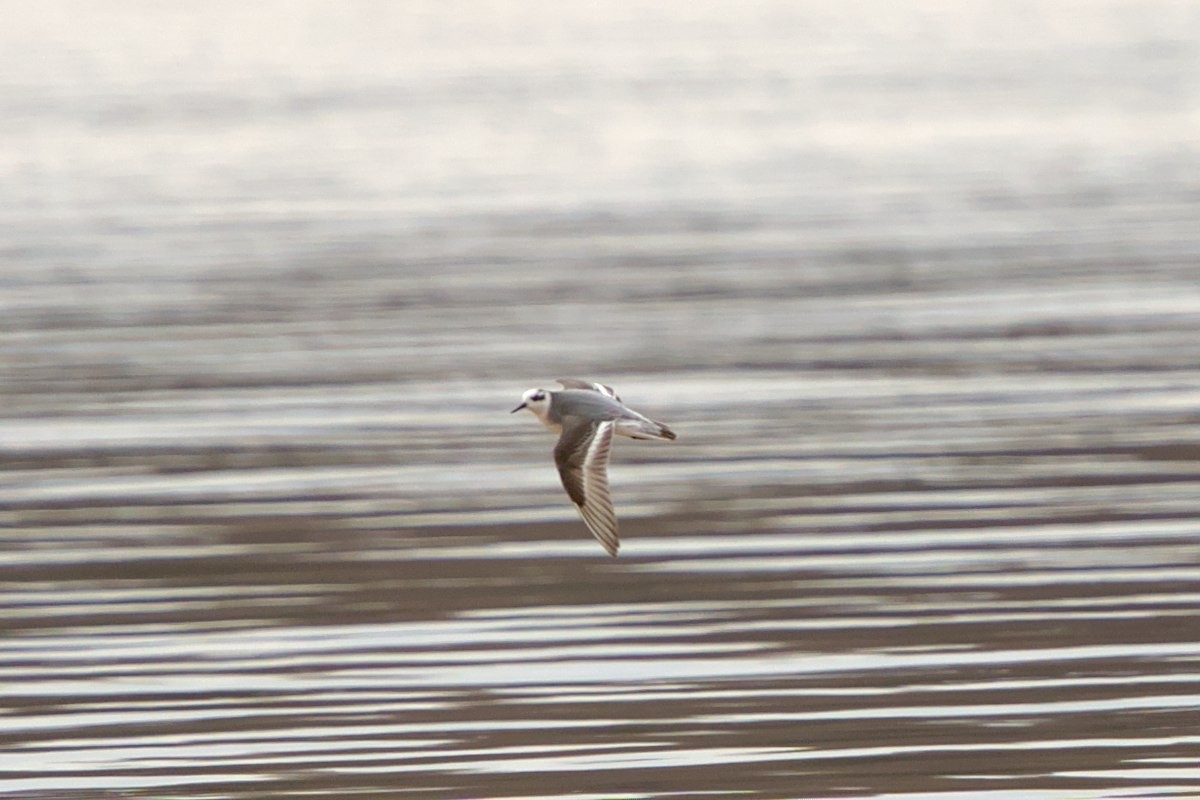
<point>586,416</point>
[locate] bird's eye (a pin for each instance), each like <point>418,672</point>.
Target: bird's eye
<point>538,396</point>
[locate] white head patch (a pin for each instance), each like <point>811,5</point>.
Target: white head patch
<point>537,401</point>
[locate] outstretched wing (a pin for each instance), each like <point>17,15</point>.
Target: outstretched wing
<point>576,383</point>
<point>581,456</point>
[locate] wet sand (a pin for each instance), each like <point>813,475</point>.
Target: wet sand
<point>875,639</point>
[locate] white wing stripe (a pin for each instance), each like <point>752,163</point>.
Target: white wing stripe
<point>597,510</point>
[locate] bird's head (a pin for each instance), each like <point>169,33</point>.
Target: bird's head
<point>537,401</point>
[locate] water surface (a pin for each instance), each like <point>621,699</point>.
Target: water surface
<point>919,291</point>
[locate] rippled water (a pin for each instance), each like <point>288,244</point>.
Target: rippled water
<point>919,289</point>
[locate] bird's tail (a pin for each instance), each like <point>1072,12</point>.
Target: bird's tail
<point>664,432</point>
<point>644,429</point>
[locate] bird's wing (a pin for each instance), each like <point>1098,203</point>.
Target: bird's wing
<point>576,383</point>
<point>582,459</point>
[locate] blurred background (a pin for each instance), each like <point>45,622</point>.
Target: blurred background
<point>917,284</point>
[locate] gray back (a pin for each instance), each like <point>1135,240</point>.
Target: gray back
<point>584,403</point>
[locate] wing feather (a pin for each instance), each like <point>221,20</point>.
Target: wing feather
<point>576,383</point>
<point>582,458</point>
